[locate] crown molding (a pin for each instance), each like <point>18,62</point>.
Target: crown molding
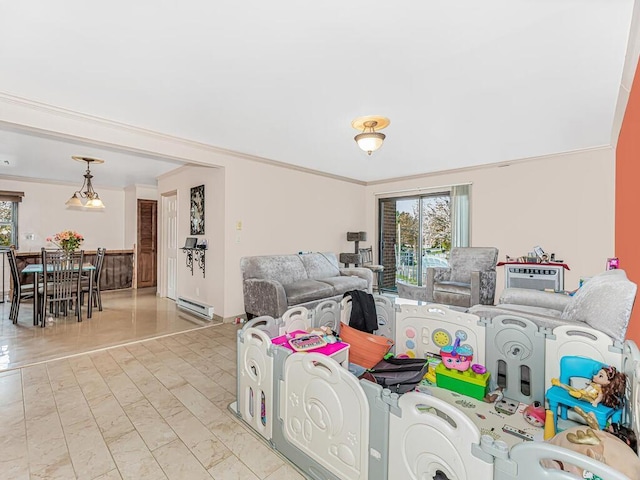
<point>138,131</point>
<point>47,181</point>
<point>505,163</point>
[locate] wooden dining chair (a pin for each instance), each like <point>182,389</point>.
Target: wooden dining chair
<point>61,285</point>
<point>18,291</point>
<point>94,295</point>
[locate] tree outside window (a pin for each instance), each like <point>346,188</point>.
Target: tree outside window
<point>8,224</point>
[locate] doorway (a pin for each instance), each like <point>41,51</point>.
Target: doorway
<point>147,240</point>
<point>415,234</point>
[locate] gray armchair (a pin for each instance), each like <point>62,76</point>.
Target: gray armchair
<point>469,280</point>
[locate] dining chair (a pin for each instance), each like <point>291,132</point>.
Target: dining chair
<point>61,285</point>
<point>18,291</point>
<point>366,261</point>
<point>94,295</point>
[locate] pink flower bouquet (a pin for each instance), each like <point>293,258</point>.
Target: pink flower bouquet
<point>67,240</point>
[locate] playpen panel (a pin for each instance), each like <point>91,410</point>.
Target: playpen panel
<point>581,341</point>
<point>431,436</point>
<point>385,313</point>
<point>631,368</point>
<point>325,414</point>
<point>255,380</point>
<point>296,318</point>
<point>525,462</point>
<point>326,314</point>
<point>424,329</point>
<point>515,358</point>
<point>265,323</point>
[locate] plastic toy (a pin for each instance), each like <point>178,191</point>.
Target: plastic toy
<point>535,414</point>
<point>462,381</point>
<point>597,444</point>
<point>456,357</point>
<point>507,406</point>
<point>494,395</point>
<point>607,387</point>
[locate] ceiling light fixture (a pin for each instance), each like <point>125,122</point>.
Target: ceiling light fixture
<point>86,197</point>
<point>370,140</point>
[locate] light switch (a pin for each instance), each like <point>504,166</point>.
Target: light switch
<point>238,225</point>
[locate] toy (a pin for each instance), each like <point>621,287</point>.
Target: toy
<point>465,382</point>
<point>456,357</point>
<point>535,414</point>
<point>597,444</point>
<point>494,395</point>
<point>307,342</point>
<point>625,434</point>
<point>607,387</point>
<point>507,406</point>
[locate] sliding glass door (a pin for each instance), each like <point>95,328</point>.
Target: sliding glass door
<point>416,232</point>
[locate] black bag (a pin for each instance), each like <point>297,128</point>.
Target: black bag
<point>400,375</point>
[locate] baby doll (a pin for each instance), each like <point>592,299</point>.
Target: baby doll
<point>607,387</point>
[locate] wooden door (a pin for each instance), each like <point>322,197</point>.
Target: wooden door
<point>147,243</point>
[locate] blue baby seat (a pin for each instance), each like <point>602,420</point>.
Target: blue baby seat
<point>578,367</point>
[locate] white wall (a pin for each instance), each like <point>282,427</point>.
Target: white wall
<point>43,213</point>
<point>564,203</point>
<point>284,211</point>
<point>210,287</point>
<point>279,210</point>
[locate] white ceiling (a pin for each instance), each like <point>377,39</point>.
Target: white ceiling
<point>464,82</point>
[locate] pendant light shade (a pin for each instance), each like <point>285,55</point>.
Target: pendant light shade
<point>370,140</point>
<point>86,197</point>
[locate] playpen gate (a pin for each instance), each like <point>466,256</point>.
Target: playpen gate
<point>255,380</point>
<point>581,341</point>
<point>326,314</point>
<point>325,415</point>
<point>296,318</point>
<point>515,355</point>
<point>430,436</point>
<point>425,329</point>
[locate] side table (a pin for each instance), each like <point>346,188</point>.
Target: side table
<point>339,351</point>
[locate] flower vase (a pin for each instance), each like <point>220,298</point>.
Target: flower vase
<point>67,261</point>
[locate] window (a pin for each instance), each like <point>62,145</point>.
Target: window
<point>417,232</point>
<point>9,218</point>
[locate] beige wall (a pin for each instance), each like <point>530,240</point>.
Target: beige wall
<point>209,288</point>
<point>258,209</point>
<point>563,203</point>
<point>43,213</point>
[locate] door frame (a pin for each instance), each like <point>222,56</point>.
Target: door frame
<point>162,241</point>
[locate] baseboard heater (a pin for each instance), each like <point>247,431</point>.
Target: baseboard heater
<point>192,306</point>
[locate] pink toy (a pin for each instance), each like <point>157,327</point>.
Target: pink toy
<point>535,414</point>
<point>456,357</point>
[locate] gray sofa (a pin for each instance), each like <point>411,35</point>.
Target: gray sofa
<point>274,283</point>
<point>603,303</point>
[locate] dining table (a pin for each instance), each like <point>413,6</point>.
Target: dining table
<point>37,270</point>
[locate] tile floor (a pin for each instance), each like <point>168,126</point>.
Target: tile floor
<point>152,409</point>
<point>127,315</point>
